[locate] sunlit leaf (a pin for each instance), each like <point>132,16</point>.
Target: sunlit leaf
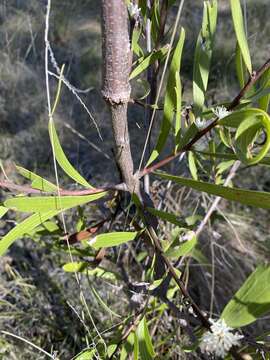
<point>23,228</point>
<point>248,123</point>
<point>37,181</point>
<point>178,248</point>
<point>240,67</point>
<point>178,94</point>
<point>258,199</point>
<point>147,61</point>
<point>192,165</point>
<point>86,355</point>
<point>265,100</point>
<point>112,239</point>
<point>146,348</point>
<point>135,41</point>
<point>170,101</point>
<point>47,203</point>
<point>251,301</point>
<point>62,159</point>
<point>3,211</point>
<point>239,29</point>
<point>203,55</point>
<point>85,268</point>
<point>264,161</point>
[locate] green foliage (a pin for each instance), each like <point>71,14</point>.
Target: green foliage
<point>172,99</point>
<point>203,55</point>
<point>239,29</point>
<point>251,301</point>
<point>112,239</point>
<point>145,283</point>
<point>146,348</point>
<point>145,62</point>
<point>43,204</point>
<point>24,227</point>
<point>248,123</point>
<point>37,182</point>
<point>62,159</point>
<point>258,199</point>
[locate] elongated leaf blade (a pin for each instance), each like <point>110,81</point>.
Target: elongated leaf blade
<point>86,355</point>
<point>251,301</point>
<point>230,156</point>
<point>146,348</point>
<point>62,159</point>
<point>203,55</point>
<point>192,165</point>
<point>23,228</point>
<point>240,66</point>
<point>239,29</point>
<point>258,199</point>
<point>170,102</point>
<point>164,215</point>
<point>182,249</point>
<point>37,181</point>
<point>112,239</point>
<point>83,267</point>
<point>147,61</point>
<point>3,211</point>
<point>265,100</point>
<point>47,203</point>
<point>178,94</point>
<point>248,122</point>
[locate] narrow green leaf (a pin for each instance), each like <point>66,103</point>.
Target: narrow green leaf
<point>170,101</point>
<point>86,355</point>
<point>223,166</point>
<point>135,47</point>
<point>164,215</point>
<point>102,303</point>
<point>264,161</point>
<point>203,55</point>
<point>136,347</point>
<point>37,181</point>
<point>251,301</point>
<point>265,100</point>
<point>83,267</point>
<point>178,249</point>
<point>145,344</point>
<point>127,347</point>
<point>3,211</point>
<point>47,203</point>
<point>144,63</point>
<point>187,136</point>
<point>62,159</point>
<point>258,199</point>
<point>248,122</point>
<point>239,29</point>
<point>23,228</point>
<point>112,239</point>
<point>240,67</point>
<point>178,94</point>
<point>192,165</point>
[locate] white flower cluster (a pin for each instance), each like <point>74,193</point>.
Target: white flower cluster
<point>221,112</point>
<point>134,10</point>
<point>220,339</point>
<point>201,123</point>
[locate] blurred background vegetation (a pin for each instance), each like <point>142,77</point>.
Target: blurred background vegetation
<point>36,297</point>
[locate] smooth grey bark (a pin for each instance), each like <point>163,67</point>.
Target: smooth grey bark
<point>116,88</point>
